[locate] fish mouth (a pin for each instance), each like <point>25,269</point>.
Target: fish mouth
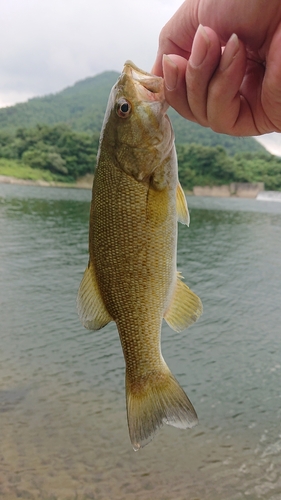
<point>147,86</point>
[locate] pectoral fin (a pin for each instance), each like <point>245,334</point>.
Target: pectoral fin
<point>91,309</point>
<point>182,209</point>
<point>185,307</point>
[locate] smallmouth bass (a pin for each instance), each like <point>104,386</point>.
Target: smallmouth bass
<point>131,277</point>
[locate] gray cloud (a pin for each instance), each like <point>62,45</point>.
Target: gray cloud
<point>46,46</point>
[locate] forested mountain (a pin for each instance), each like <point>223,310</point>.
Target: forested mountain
<point>82,107</point>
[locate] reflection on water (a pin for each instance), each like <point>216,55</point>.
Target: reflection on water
<point>62,402</point>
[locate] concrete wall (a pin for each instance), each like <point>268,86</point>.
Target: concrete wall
<point>236,189</point>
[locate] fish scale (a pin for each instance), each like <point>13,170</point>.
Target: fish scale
<point>134,253</point>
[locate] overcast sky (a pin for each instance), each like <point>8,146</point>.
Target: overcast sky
<point>47,45</point>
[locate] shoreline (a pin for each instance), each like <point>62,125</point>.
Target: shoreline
<point>233,190</point>
<point>82,183</point>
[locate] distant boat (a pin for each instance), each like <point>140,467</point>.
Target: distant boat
<point>269,196</point>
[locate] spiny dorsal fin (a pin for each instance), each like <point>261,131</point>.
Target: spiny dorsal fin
<point>184,308</point>
<point>182,209</point>
<point>91,309</point>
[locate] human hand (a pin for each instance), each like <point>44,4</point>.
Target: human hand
<point>236,91</point>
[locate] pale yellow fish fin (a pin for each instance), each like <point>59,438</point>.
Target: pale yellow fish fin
<point>182,208</point>
<point>91,309</point>
<point>154,399</point>
<point>184,308</point>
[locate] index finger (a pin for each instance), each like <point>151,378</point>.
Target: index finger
<point>176,37</point>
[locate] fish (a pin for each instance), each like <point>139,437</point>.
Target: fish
<point>132,277</point>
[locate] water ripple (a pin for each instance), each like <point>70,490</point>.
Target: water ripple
<point>62,400</point>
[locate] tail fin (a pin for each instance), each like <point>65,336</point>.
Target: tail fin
<point>152,400</point>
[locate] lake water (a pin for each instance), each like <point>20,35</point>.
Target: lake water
<point>62,402</point>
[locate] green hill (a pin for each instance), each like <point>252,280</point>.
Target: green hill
<point>82,108</point>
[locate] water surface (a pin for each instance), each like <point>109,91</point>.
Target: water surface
<point>62,402</point>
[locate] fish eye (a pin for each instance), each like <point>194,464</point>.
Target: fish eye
<point>123,108</point>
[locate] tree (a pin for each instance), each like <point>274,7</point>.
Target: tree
<point>202,165</point>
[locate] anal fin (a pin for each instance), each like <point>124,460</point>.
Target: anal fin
<point>184,308</point>
<point>91,309</point>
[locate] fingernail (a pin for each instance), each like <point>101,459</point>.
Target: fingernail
<point>229,52</point>
<point>170,72</point>
<point>200,47</point>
